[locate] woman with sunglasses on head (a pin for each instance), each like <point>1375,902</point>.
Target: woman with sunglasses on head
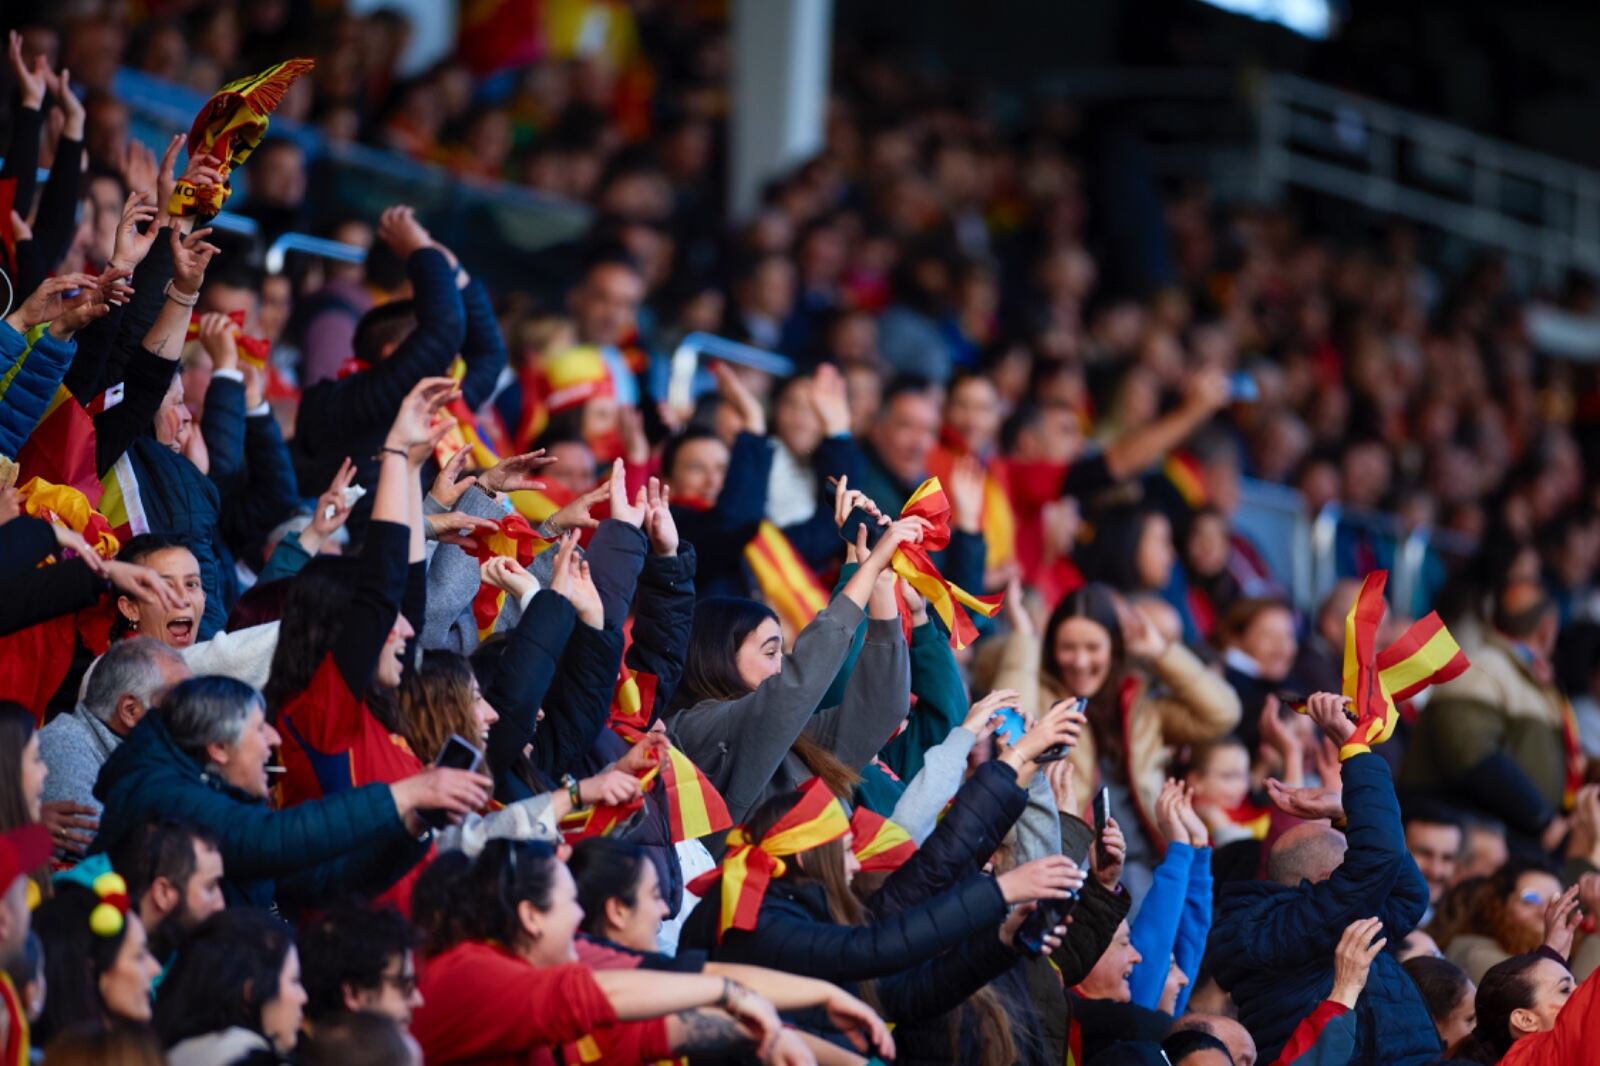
<point>1512,913</point>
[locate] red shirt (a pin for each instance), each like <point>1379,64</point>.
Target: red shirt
<point>485,1006</point>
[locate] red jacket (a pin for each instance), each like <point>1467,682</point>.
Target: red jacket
<point>1571,1042</point>
<point>485,1006</point>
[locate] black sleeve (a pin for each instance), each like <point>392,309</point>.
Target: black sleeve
<point>48,592</point>
<point>24,543</point>
<point>146,379</point>
<point>483,349</point>
<point>663,614</point>
<point>368,400</point>
<point>374,606</point>
<point>22,155</point>
<point>944,983</point>
<point>578,704</point>
<point>86,377</point>
<point>986,806</point>
<point>527,666</point>
<point>414,601</point>
<point>55,220</point>
<point>1094,922</point>
<point>1087,477</point>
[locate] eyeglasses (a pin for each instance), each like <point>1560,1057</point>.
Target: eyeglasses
<point>1532,898</point>
<point>405,983</point>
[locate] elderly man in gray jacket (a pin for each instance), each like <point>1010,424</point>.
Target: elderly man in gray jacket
<point>119,688</point>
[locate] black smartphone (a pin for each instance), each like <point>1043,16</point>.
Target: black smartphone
<point>1102,815</point>
<point>1057,752</point>
<point>1036,926</point>
<point>457,754</point>
<point>857,518</point>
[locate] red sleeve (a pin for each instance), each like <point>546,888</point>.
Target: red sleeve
<point>1577,1025</point>
<point>626,1044</point>
<point>1310,1028</point>
<point>327,714</point>
<point>479,1002</point>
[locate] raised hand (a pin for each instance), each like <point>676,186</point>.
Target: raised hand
<point>71,540</point>
<point>659,523</point>
<point>448,485</point>
<point>1169,822</point>
<point>416,428</point>
<point>1282,737</point>
<point>1114,847</point>
<point>1052,877</point>
<point>561,572</point>
<point>575,515</point>
<point>1352,959</point>
<point>1062,724</point>
<point>585,597</point>
<point>72,111</point>
<point>508,575</point>
<point>333,508</point>
<point>644,754</point>
<point>1199,836</point>
<point>1206,391</point>
<point>1561,920</point>
<point>167,173</point>
<point>966,495</point>
<point>190,257</point>
<point>829,400</point>
<point>399,229</point>
<point>741,399</point>
<point>31,80</point>
<point>983,717</point>
<point>454,527</point>
<point>132,244</point>
<point>1327,709</point>
<point>109,290</point>
<point>846,499</point>
<point>139,172</point>
<point>516,473</point>
<point>1140,635</point>
<point>50,300</point>
<point>617,489</point>
<point>217,338</point>
<point>1308,803</point>
<point>1062,776</point>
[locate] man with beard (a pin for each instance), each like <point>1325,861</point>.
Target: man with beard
<point>174,874</point>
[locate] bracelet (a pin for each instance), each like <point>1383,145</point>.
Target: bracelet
<point>547,531</point>
<point>386,450</point>
<point>179,298</point>
<point>570,783</point>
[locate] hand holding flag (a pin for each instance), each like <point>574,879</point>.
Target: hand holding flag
<point>912,561</point>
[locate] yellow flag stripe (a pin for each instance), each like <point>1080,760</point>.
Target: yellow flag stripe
<point>691,797</point>
<point>1427,661</point>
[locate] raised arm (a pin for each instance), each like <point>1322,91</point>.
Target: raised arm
<point>1205,393</point>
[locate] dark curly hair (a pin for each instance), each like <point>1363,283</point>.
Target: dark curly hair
<point>228,971</point>
<point>459,899</point>
<point>349,945</point>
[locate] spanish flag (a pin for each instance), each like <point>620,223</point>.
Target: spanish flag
<point>71,508</point>
<point>253,350</point>
<point>785,580</point>
<point>878,843</point>
<point>515,539</point>
<point>1183,470</point>
<point>912,562</point>
<point>605,818</point>
<point>229,127</point>
<point>1374,683</point>
<point>694,806</point>
<point>749,866</point>
<point>61,447</point>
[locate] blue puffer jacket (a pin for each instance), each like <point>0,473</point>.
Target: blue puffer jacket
<point>1273,944</point>
<point>30,373</point>
<point>353,842</point>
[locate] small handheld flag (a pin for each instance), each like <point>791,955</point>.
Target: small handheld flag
<point>912,562</point>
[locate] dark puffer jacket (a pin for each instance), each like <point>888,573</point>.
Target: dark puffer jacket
<point>1273,945</point>
<point>353,842</point>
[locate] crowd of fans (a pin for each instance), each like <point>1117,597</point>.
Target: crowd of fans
<point>381,652</point>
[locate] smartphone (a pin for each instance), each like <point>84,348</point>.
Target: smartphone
<point>1102,815</point>
<point>1011,725</point>
<point>457,754</point>
<point>857,518</point>
<point>1057,752</point>
<point>1242,387</point>
<point>1036,926</point>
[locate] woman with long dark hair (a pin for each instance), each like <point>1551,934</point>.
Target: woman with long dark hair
<point>1099,649</point>
<point>500,935</point>
<point>233,992</point>
<point>1532,1013</point>
<point>748,715</point>
<point>22,775</point>
<point>97,962</point>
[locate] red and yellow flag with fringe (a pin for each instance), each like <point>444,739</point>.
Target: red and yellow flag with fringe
<point>69,507</point>
<point>913,562</point>
<point>694,806</point>
<point>229,127</point>
<point>1426,654</point>
<point>749,866</point>
<point>879,844</point>
<point>785,580</point>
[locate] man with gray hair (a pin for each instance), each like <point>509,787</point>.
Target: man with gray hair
<point>119,689</point>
